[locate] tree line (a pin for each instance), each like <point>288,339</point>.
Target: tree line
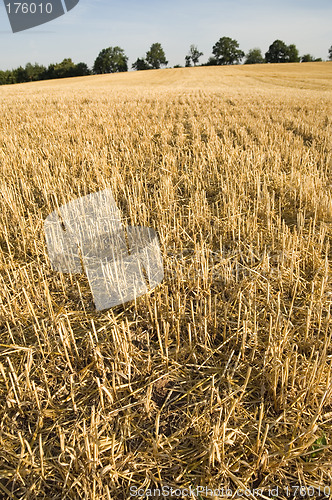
<point>226,51</point>
<point>35,72</point>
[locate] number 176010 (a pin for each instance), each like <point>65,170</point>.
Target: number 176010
<point>307,491</point>
<point>29,8</point>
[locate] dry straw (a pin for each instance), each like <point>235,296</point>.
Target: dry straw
<point>221,376</point>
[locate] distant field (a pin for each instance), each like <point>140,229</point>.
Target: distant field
<point>302,76</point>
<point>221,376</point>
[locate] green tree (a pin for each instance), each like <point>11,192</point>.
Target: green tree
<point>110,60</point>
<point>155,57</point>
<point>330,53</point>
<point>307,58</point>
<point>140,64</point>
<point>35,72</point>
<point>65,69</point>
<point>279,52</point>
<point>188,61</point>
<point>81,69</point>
<point>293,53</point>
<point>226,51</point>
<point>254,56</point>
<point>20,75</point>
<point>6,77</point>
<point>194,55</point>
<point>212,61</point>
<point>50,73</point>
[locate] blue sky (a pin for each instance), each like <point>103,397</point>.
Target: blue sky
<point>96,24</point>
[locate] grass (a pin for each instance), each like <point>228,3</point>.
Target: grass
<point>221,376</point>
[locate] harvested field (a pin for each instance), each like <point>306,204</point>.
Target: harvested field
<point>221,377</point>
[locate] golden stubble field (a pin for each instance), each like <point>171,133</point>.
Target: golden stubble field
<point>221,377</point>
